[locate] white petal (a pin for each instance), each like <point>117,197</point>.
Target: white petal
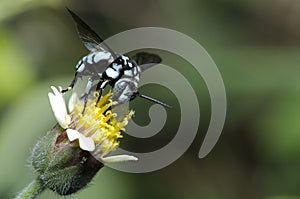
<point>73,134</point>
<point>59,109</point>
<point>72,101</point>
<point>85,143</point>
<point>119,158</point>
<point>60,89</point>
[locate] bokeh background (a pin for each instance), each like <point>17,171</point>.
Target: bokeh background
<point>256,46</point>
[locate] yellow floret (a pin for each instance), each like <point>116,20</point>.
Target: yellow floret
<point>99,123</point>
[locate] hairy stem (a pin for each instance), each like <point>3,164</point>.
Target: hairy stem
<point>31,191</point>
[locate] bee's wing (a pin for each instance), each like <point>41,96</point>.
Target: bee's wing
<point>146,60</point>
<point>89,37</point>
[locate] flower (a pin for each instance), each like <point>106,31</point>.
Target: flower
<point>97,130</point>
<point>68,157</point>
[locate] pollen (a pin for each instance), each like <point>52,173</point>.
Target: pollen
<point>100,123</point>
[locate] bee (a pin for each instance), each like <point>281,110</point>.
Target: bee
<point>106,67</point>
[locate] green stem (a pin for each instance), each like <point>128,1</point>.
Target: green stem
<point>31,191</point>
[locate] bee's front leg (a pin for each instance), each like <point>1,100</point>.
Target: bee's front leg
<point>70,87</point>
<point>100,86</point>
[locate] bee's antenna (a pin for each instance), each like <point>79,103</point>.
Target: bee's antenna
<point>154,100</point>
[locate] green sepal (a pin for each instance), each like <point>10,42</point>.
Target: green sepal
<point>42,152</point>
<point>62,166</point>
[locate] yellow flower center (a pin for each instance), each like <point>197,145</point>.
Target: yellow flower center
<point>99,123</point>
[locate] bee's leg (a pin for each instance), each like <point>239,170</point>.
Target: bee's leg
<point>71,85</point>
<point>87,92</point>
<point>100,86</point>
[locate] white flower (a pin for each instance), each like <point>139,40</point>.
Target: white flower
<point>94,130</point>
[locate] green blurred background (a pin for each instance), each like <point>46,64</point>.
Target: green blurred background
<point>256,46</point>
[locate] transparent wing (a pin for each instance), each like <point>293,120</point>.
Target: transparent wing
<point>89,37</point>
<point>146,60</point>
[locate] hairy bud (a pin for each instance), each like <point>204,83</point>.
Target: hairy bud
<point>62,166</point>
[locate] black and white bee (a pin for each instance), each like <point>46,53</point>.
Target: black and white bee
<point>110,68</point>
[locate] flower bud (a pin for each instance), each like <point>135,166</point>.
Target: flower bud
<point>62,166</point>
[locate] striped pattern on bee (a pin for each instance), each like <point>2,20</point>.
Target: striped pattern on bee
<point>110,68</point>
